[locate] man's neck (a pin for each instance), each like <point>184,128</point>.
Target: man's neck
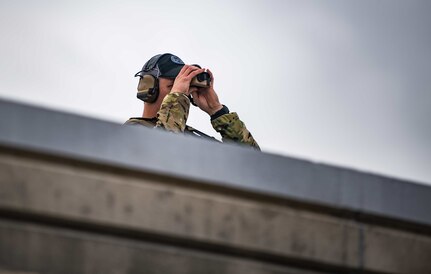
<point>150,111</point>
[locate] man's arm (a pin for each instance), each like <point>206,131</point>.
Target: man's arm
<point>232,129</point>
<point>174,112</point>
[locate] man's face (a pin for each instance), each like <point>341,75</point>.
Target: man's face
<point>165,86</point>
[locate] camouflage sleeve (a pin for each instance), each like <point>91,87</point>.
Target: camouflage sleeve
<point>232,129</point>
<point>173,113</point>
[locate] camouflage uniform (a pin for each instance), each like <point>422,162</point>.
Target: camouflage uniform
<point>173,114</point>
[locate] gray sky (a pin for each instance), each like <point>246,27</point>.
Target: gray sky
<point>339,82</point>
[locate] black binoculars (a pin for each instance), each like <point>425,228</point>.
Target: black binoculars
<point>202,80</point>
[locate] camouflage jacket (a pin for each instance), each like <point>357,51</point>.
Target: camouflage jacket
<point>173,115</point>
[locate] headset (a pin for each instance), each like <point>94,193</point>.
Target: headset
<point>148,86</point>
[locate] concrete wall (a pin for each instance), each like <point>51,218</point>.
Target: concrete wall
<point>79,195</point>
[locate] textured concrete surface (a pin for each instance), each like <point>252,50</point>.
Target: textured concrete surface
<point>396,251</point>
<point>175,210</point>
<point>78,195</point>
<point>25,248</point>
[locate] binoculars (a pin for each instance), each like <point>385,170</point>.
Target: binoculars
<point>202,80</point>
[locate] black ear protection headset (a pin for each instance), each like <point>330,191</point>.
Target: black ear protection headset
<point>148,87</point>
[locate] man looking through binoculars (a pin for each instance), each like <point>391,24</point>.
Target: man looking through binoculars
<point>168,86</point>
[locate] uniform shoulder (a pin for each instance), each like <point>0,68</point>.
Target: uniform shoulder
<point>142,121</point>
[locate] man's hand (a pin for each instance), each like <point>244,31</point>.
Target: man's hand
<point>206,98</point>
<point>183,79</point>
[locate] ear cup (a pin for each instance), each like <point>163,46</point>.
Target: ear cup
<point>148,88</point>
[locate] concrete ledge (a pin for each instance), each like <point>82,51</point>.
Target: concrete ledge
<point>164,210</point>
<point>55,133</point>
<point>68,175</point>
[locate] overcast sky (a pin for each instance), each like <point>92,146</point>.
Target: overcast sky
<point>340,82</point>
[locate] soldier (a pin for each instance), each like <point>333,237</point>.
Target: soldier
<point>165,87</point>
